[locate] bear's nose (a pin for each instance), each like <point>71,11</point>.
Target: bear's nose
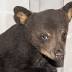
<point>59,52</point>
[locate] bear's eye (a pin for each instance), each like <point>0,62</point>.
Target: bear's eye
<point>64,34</point>
<point>44,37</point>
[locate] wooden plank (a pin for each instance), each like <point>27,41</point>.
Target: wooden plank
<point>50,4</point>
<point>6,12</point>
<point>68,57</point>
<point>34,5</point>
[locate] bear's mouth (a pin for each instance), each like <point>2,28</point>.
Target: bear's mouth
<point>59,59</point>
<point>59,55</point>
<point>56,59</point>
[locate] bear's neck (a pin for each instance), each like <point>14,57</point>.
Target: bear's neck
<point>40,61</point>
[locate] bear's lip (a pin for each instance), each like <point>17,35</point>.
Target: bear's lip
<point>59,55</point>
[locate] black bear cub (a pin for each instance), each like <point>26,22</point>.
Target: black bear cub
<point>37,42</point>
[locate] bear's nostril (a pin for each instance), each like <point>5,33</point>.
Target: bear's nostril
<point>59,51</point>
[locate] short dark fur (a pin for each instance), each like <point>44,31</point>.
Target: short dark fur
<point>22,46</point>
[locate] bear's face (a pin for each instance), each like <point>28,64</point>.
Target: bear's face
<point>46,30</point>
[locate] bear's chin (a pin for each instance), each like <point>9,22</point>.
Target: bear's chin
<point>59,61</point>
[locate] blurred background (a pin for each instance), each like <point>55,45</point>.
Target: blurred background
<point>6,20</point>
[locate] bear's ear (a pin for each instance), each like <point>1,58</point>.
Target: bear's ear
<point>68,10</point>
<point>21,14</point>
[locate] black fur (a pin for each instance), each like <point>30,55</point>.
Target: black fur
<point>21,46</point>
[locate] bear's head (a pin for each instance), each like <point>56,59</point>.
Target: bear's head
<point>46,30</point>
